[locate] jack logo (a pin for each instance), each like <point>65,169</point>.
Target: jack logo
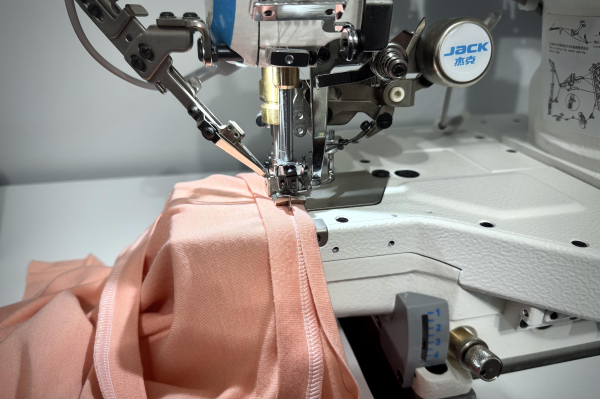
<point>471,48</point>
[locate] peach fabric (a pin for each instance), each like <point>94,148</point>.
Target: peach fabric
<point>223,297</point>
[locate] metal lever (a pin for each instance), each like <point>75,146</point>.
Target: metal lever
<point>148,52</point>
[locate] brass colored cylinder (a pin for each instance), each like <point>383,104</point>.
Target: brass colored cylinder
<point>459,337</point>
<point>286,77</point>
<point>269,93</point>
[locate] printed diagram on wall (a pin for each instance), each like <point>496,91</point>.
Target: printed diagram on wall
<point>574,33</point>
<point>583,95</point>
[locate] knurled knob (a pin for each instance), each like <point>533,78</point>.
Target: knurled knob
<point>483,362</point>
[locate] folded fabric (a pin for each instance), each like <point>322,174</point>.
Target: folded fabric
<point>223,297</point>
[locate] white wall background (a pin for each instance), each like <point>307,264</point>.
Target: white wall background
<point>63,117</point>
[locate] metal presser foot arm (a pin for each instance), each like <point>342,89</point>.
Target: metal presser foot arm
<point>148,52</point>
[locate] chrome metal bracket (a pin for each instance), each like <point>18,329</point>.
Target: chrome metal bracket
<point>148,52</point>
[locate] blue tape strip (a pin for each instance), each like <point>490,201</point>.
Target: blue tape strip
<point>221,29</point>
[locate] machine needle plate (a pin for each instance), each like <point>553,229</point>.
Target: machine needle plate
<point>349,189</point>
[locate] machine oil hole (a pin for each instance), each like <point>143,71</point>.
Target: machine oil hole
<point>486,224</point>
<point>511,150</point>
<point>128,38</point>
<point>335,250</point>
<point>410,174</point>
<point>391,244</point>
<point>439,369</point>
<point>380,173</point>
<point>329,12</point>
<point>553,316</point>
<point>365,161</point>
<point>342,219</point>
<point>268,13</point>
<point>523,324</point>
<point>579,244</point>
<point>480,137</point>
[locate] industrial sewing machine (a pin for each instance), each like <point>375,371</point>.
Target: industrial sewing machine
<point>486,248</point>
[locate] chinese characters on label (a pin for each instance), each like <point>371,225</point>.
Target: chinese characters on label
<point>460,61</point>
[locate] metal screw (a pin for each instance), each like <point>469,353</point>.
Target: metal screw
<point>137,63</point>
<point>525,313</point>
<point>366,125</point>
<point>208,132</point>
<point>195,112</point>
<point>167,14</point>
<point>289,59</point>
<point>190,15</point>
<point>145,52</point>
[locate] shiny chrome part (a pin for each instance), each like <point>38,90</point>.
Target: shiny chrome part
<point>196,24</point>
<point>275,150</point>
<point>297,10</point>
<point>492,19</point>
<point>285,150</point>
<point>319,128</point>
<point>483,362</point>
<point>444,118</point>
<point>148,51</point>
<point>348,43</point>
<point>322,232</point>
<point>349,189</point>
<point>302,112</point>
<point>473,354</point>
<point>429,54</point>
<point>390,63</point>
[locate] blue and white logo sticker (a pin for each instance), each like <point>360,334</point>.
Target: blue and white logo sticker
<point>465,52</point>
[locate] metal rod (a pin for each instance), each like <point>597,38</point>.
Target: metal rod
<point>285,144</point>
<point>275,134</point>
<point>444,119</point>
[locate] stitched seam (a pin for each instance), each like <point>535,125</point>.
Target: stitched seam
<point>311,325</point>
<point>105,318</point>
<point>104,328</point>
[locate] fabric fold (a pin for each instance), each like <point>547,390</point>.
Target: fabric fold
<point>223,297</point>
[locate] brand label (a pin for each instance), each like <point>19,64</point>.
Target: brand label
<point>465,53</point>
<point>471,48</point>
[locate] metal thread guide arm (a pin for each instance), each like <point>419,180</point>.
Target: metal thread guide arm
<point>148,52</point>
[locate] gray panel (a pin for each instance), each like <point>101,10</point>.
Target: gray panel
<point>416,334</point>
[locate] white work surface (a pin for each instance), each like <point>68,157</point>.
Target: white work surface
<point>59,221</point>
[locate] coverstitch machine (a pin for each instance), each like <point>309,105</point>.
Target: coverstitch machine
<point>491,241</point>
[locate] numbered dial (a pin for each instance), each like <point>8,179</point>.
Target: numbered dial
<point>416,334</point>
